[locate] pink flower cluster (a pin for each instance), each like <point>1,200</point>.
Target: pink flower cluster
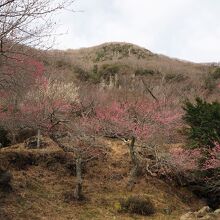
<point>213,160</point>
<point>138,118</point>
<point>190,160</point>
<point>185,160</point>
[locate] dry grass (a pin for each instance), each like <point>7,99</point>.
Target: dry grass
<point>39,190</point>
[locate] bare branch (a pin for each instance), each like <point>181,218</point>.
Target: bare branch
<point>6,3</point>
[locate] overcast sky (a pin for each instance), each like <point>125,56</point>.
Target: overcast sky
<point>185,29</point>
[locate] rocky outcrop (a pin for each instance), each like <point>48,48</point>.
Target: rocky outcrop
<point>203,214</point>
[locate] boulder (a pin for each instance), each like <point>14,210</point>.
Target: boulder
<point>217,212</point>
<point>203,211</point>
<point>203,214</point>
<point>210,216</point>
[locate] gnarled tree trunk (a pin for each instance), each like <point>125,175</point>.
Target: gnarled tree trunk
<point>78,195</point>
<point>136,165</point>
<point>38,138</point>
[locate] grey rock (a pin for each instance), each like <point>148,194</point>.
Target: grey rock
<point>217,211</point>
<point>210,216</point>
<point>203,211</point>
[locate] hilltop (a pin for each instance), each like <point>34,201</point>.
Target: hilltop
<point>126,65</point>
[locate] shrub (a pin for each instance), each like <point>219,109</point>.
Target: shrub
<point>199,168</point>
<point>211,79</point>
<point>203,120</point>
<point>95,75</point>
<point>144,72</point>
<point>210,83</point>
<point>108,69</point>
<point>216,74</point>
<point>100,55</point>
<point>81,74</point>
<point>62,64</point>
<point>4,140</point>
<point>137,205</point>
<point>175,77</point>
<point>140,54</point>
<point>5,180</point>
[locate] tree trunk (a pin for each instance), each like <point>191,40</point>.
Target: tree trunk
<point>38,138</point>
<point>13,136</point>
<point>78,195</point>
<point>136,166</point>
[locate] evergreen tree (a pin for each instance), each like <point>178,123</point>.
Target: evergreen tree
<point>203,119</point>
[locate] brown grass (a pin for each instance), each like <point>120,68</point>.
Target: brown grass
<point>38,190</point>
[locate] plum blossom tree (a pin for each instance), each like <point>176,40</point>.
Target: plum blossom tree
<point>24,24</point>
<point>34,99</point>
<point>189,160</point>
<point>198,164</point>
<point>54,108</point>
<point>213,160</point>
<point>75,137</point>
<point>22,75</point>
<point>198,169</point>
<point>137,120</point>
<point>47,99</point>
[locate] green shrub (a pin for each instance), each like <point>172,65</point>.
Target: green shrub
<point>210,83</point>
<point>203,119</point>
<point>144,72</point>
<point>140,54</point>
<point>175,77</point>
<point>62,64</point>
<point>81,74</point>
<point>107,70</point>
<point>211,80</point>
<point>107,52</point>
<point>100,55</point>
<point>216,74</point>
<point>95,75</point>
<point>137,205</point>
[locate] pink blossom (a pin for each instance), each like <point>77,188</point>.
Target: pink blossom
<point>189,160</point>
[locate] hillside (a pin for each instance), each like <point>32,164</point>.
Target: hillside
<point>117,65</point>
<point>109,117</point>
<point>113,131</point>
<point>43,180</point>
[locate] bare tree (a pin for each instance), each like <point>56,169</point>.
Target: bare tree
<point>24,24</point>
<point>27,22</point>
<point>81,143</point>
